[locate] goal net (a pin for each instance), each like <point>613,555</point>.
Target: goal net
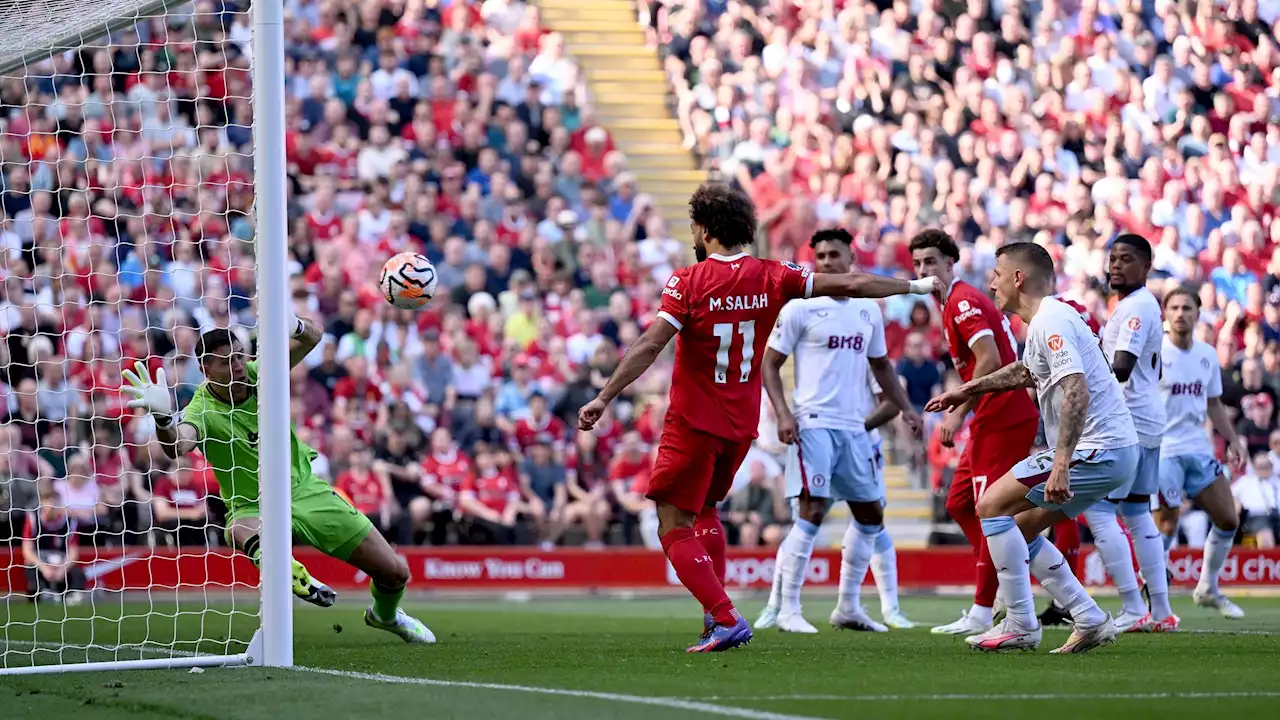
<point>127,228</point>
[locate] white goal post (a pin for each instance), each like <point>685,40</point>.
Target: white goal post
<point>59,305</point>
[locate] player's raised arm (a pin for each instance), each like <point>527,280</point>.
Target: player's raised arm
<point>177,439</point>
<point>866,285</point>
<point>306,335</point>
<point>639,357</point>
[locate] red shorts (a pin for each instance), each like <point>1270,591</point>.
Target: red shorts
<point>988,456</point>
<point>694,469</point>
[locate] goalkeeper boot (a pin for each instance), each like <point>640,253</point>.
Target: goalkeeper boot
<point>310,589</point>
<point>404,626</point>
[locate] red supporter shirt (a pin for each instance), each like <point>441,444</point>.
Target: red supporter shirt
<point>191,494</point>
<point>363,490</point>
<point>529,430</point>
<point>494,489</point>
<point>724,309</point>
<point>968,316</point>
<point>450,470</point>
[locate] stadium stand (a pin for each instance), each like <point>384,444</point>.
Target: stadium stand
<point>507,142</point>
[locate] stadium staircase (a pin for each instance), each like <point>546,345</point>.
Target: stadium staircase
<point>631,97</point>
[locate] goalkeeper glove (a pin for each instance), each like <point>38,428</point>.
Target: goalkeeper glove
<point>147,395</point>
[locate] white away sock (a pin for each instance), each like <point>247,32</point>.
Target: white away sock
<point>1216,549</point>
<point>798,547</point>
<point>1055,576</point>
<point>855,556</point>
<point>1113,546</point>
<point>1009,553</point>
<point>884,568</point>
<point>1148,545</point>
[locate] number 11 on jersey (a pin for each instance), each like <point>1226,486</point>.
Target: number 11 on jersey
<point>724,331</point>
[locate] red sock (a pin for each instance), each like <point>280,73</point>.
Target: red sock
<point>711,534</point>
<point>1066,537</point>
<point>695,569</point>
<point>988,580</point>
<point>969,523</point>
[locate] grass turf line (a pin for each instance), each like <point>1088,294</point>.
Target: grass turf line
<point>632,648</point>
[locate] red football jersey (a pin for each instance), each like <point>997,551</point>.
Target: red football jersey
<point>1086,316</point>
<point>724,309</point>
<point>364,491</point>
<point>550,428</point>
<point>494,489</point>
<point>967,316</point>
<point>450,470</point>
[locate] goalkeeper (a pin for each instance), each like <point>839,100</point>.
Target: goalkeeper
<point>222,421</point>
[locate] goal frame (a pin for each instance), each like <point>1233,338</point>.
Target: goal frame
<point>272,643</point>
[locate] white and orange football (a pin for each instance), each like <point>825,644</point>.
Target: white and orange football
<point>408,281</point>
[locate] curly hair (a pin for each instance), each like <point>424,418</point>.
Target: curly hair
<point>934,238</point>
<point>726,214</point>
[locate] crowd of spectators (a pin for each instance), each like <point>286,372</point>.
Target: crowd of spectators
<point>456,128</point>
<point>1063,122</point>
<point>461,129</point>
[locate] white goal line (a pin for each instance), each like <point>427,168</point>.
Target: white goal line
<point>698,705</point>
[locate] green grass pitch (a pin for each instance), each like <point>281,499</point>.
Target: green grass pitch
<point>597,658</point>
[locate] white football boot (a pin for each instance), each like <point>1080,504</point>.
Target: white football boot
<point>1219,602</point>
<point>857,619</point>
<point>795,623</point>
<point>966,625</point>
<point>1008,635</point>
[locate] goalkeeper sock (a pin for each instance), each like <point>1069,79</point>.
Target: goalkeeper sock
<point>253,550</point>
<point>385,602</point>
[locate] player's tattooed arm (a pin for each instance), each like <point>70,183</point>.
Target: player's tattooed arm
<point>1237,453</point>
<point>304,340</point>
<point>1072,414</point>
<point>1013,376</point>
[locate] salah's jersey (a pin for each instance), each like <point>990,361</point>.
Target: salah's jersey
<point>1136,327</point>
<point>829,341</point>
<point>1060,344</point>
<point>1189,378</point>
<point>968,315</point>
<point>724,309</point>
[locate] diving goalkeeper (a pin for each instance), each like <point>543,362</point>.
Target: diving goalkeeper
<point>222,421</point>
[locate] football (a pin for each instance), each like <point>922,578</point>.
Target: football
<point>408,281</point>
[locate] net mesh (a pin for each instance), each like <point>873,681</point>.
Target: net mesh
<point>126,170</point>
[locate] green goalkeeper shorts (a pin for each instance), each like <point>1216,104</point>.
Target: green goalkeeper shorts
<point>321,519</point>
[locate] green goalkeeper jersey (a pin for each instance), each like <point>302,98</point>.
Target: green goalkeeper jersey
<point>228,437</point>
